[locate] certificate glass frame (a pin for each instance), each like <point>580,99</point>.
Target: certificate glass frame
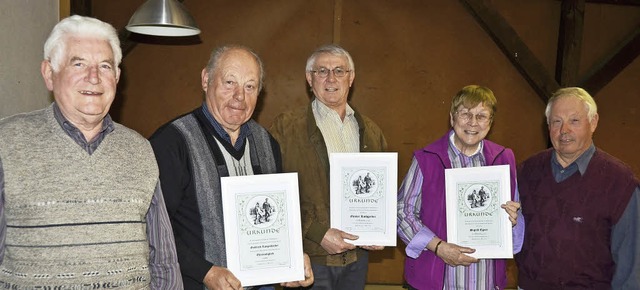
<point>474,216</point>
<point>364,196</point>
<point>262,228</point>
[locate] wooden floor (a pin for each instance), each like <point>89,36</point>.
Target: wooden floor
<point>396,287</point>
<point>388,287</point>
<point>383,287</point>
<point>372,287</point>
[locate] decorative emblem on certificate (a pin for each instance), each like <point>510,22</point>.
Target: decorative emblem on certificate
<point>263,235</point>
<point>474,216</point>
<point>363,205</point>
<point>363,196</point>
<point>263,231</point>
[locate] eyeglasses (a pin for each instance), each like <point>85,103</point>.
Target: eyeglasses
<point>323,72</point>
<point>468,116</point>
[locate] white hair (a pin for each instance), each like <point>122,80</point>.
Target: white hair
<point>76,25</point>
<point>580,93</point>
<point>329,49</point>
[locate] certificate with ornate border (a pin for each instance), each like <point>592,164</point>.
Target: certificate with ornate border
<point>363,196</point>
<point>474,216</point>
<point>262,230</point>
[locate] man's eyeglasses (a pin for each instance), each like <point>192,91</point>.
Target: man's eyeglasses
<point>323,72</point>
<point>468,116</point>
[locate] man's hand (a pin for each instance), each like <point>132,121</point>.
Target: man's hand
<point>512,207</point>
<point>219,278</point>
<point>333,241</point>
<point>308,276</point>
<point>455,255</point>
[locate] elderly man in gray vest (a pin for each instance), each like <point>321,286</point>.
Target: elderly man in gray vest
<point>80,202</point>
<point>215,140</point>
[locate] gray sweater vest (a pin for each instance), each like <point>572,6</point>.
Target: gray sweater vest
<point>206,175</point>
<point>74,220</point>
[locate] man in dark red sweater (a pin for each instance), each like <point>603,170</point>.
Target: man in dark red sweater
<point>581,206</point>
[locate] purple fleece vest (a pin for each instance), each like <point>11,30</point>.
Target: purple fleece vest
<point>427,271</point>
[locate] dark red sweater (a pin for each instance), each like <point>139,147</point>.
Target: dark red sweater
<point>568,234</point>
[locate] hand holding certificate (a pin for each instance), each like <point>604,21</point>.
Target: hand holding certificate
<point>475,218</point>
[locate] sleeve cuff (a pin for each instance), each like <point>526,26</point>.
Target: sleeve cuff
<point>419,242</point>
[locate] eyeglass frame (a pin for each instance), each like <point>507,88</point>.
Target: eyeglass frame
<point>318,72</point>
<point>468,116</point>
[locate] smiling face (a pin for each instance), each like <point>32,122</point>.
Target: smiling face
<point>232,89</point>
<point>331,90</point>
<point>570,129</point>
<point>470,126</point>
<point>85,85</point>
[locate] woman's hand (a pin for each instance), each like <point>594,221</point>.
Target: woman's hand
<point>512,207</point>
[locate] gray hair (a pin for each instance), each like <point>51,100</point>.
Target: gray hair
<point>580,93</point>
<point>329,49</point>
<point>83,26</point>
<point>216,55</point>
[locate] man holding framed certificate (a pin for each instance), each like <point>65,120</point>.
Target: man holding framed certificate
<point>433,262</point>
<point>307,135</point>
<point>196,150</point>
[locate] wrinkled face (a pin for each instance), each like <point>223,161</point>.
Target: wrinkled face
<point>85,85</point>
<point>470,126</point>
<point>570,130</point>
<point>232,92</point>
<point>331,90</point>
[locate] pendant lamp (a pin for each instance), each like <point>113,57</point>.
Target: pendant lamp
<point>163,18</point>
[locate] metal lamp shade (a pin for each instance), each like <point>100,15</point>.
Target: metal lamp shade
<point>163,18</point>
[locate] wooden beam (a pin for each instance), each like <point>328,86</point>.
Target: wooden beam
<point>83,7</point>
<point>337,21</point>
<point>80,7</point>
<point>64,9</point>
<point>611,65</point>
<point>513,47</point>
<point>569,42</point>
<point>616,2</point>
<point>125,42</point>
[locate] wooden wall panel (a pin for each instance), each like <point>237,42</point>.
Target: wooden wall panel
<point>411,57</point>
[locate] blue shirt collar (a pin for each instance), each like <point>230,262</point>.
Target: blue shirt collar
<point>581,163</point>
<point>244,129</point>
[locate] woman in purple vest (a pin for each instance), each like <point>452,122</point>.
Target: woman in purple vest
<point>432,262</point>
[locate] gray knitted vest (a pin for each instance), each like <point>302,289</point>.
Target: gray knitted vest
<point>206,176</point>
<point>74,220</point>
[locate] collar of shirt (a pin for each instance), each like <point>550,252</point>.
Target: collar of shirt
<point>244,129</point>
<point>476,159</point>
<point>77,136</point>
<point>340,135</point>
<point>323,112</point>
<point>579,165</point>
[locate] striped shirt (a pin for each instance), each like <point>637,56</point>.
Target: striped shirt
<point>339,135</point>
<point>478,276</point>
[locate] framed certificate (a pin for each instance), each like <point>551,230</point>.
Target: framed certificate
<point>363,196</point>
<point>262,230</point>
<point>474,216</point>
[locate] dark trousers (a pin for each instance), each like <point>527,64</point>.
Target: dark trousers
<point>350,277</point>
